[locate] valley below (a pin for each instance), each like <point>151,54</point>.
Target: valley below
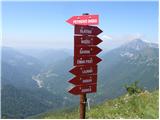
<point>36,82</point>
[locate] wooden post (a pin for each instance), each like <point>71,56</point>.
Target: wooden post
<point>83,100</point>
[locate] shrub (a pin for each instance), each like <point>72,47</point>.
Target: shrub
<point>133,88</point>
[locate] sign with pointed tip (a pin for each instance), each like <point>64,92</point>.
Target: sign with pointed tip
<point>83,80</point>
<point>84,70</point>
<point>83,89</point>
<point>86,50</point>
<point>84,20</point>
<point>87,30</point>
<point>86,40</point>
<point>86,60</point>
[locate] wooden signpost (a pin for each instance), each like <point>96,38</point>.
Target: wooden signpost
<point>85,59</point>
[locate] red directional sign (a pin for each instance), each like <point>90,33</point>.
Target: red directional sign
<point>86,40</point>
<point>84,70</point>
<point>84,20</point>
<point>82,89</point>
<point>86,60</point>
<point>83,80</point>
<point>87,30</point>
<point>86,50</point>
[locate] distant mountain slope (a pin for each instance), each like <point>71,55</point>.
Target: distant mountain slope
<point>136,60</point>
<point>47,56</point>
<point>138,106</point>
<point>55,79</point>
<point>133,61</point>
<point>17,68</point>
<point>20,103</point>
<point>21,97</point>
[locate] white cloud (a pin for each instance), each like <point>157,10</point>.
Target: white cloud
<point>108,37</point>
<point>134,36</point>
<point>114,41</point>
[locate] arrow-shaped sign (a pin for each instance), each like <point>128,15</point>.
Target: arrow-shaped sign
<point>86,60</point>
<point>82,89</point>
<point>84,70</point>
<point>84,20</point>
<point>87,30</point>
<point>86,50</point>
<point>83,80</point>
<point>86,40</point>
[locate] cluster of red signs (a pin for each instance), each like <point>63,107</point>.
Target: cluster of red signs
<point>85,51</point>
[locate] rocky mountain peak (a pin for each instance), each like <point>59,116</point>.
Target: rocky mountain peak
<point>136,44</point>
<point>139,44</point>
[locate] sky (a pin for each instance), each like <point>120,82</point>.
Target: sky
<point>43,24</point>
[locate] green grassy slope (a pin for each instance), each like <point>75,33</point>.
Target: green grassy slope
<point>143,105</point>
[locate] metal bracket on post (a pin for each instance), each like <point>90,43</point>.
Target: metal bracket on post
<point>88,103</point>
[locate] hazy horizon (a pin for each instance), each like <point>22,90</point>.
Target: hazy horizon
<point>71,49</point>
